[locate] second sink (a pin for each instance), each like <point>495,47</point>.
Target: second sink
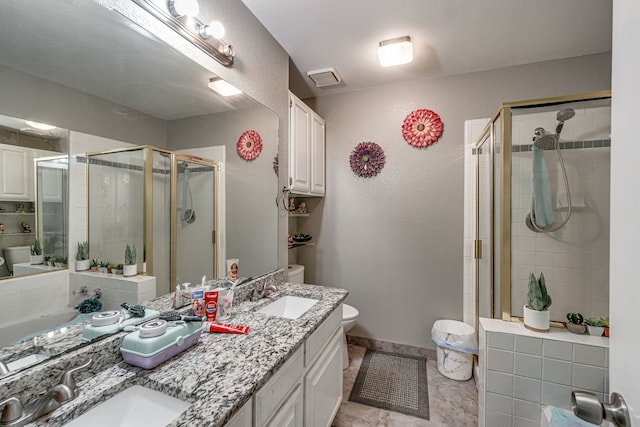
<point>289,307</point>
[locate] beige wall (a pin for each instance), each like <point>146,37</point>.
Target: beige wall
<point>395,241</point>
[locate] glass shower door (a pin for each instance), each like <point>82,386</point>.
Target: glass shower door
<point>195,220</point>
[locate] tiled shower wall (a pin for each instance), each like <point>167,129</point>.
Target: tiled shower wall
<point>574,259</point>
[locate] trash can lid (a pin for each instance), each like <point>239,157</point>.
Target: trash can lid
<point>454,327</point>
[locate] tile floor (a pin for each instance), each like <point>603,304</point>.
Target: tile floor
<point>451,403</point>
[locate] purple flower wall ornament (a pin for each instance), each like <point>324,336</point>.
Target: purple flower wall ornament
<point>367,159</point>
<point>276,165</point>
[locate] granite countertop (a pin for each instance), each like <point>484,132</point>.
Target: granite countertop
<point>220,373</point>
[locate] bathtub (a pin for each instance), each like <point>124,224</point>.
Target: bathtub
<point>17,329</point>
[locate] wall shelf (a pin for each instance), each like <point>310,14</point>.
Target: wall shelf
<point>16,213</point>
<point>298,214</point>
<point>17,234</point>
<point>300,244</point>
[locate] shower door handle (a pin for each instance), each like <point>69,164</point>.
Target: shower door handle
<point>587,406</point>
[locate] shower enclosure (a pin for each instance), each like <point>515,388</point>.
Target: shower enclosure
<point>161,201</point>
<point>542,206</point>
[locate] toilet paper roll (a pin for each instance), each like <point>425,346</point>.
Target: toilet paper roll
<point>105,318</point>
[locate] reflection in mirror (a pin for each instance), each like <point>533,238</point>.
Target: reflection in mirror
<point>112,84</point>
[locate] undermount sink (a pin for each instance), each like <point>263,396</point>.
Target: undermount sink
<point>136,406</point>
<point>289,307</point>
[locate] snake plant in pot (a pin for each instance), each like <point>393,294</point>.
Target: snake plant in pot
<point>130,267</point>
<point>36,256</point>
<point>536,311</point>
<point>82,256</point>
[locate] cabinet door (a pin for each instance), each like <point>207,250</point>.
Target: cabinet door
<point>16,174</point>
<point>323,385</point>
<point>317,155</point>
<point>243,418</point>
<point>299,146</point>
<point>291,412</point>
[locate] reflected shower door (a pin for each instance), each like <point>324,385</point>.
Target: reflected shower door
<point>195,224</point>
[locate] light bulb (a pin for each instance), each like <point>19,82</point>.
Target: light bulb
<point>395,51</point>
<point>215,29</point>
<point>223,88</point>
<point>188,8</point>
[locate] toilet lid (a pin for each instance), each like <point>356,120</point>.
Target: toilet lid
<point>349,312</point>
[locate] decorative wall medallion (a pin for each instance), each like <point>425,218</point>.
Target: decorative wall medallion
<point>249,145</point>
<point>276,164</point>
<point>422,128</point>
<point>367,159</point>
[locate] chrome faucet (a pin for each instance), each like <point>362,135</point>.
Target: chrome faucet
<point>262,292</point>
<point>3,368</point>
<point>15,415</point>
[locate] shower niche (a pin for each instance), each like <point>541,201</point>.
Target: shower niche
<point>540,204</point>
<point>161,201</point>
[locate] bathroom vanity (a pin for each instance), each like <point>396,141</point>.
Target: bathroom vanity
<point>283,372</point>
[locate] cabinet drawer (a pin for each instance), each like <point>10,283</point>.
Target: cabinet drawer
<point>269,398</point>
<point>320,336</point>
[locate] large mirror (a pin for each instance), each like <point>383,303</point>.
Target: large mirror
<point>111,84</point>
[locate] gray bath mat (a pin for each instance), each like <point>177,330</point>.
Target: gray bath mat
<point>394,382</point>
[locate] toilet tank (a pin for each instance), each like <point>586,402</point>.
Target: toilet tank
<point>295,273</point>
<point>16,255</point>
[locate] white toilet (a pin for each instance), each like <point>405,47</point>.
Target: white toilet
<point>295,274</point>
<point>16,255</point>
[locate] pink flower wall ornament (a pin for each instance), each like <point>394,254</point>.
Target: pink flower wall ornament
<point>249,145</point>
<point>367,159</point>
<point>422,128</point>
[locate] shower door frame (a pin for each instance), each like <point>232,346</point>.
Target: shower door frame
<point>501,215</point>
<point>175,157</point>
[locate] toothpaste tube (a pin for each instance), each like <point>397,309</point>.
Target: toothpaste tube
<point>225,328</point>
<point>211,305</point>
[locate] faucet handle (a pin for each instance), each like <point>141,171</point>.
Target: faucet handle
<point>12,410</point>
<point>67,377</point>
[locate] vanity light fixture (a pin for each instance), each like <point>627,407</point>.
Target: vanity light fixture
<point>222,87</point>
<point>395,51</point>
<point>40,126</point>
<point>180,16</point>
<point>180,8</point>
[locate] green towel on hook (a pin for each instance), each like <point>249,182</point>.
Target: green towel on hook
<point>542,209</point>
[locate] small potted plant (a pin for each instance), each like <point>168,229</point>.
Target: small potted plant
<point>575,323</point>
<point>111,268</point>
<point>36,256</point>
<point>102,266</point>
<point>95,263</point>
<point>119,269</point>
<point>82,256</point>
<point>536,311</point>
<point>51,262</point>
<point>605,325</point>
<point>594,326</point>
<point>130,266</point>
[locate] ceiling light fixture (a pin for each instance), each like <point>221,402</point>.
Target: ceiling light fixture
<point>40,126</point>
<point>222,87</point>
<point>180,16</point>
<point>396,51</point>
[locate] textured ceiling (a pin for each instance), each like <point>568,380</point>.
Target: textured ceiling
<point>450,36</point>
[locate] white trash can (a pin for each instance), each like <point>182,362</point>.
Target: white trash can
<point>456,343</point>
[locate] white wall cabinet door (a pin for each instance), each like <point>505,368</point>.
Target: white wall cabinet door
<point>323,385</point>
<point>306,149</point>
<point>299,146</point>
<point>317,155</point>
<point>16,174</point>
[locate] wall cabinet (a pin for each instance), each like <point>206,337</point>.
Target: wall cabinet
<point>16,173</point>
<point>306,149</point>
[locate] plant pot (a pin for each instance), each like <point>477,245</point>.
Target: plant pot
<point>36,259</point>
<point>102,269</point>
<point>537,321</point>
<point>83,265</point>
<point>94,269</point>
<point>576,329</point>
<point>596,331</point>
<point>606,331</point>
<point>130,270</point>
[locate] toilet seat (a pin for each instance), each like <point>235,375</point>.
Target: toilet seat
<point>348,312</point>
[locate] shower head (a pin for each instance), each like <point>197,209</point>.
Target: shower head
<point>565,114</point>
<point>562,116</point>
<point>544,140</point>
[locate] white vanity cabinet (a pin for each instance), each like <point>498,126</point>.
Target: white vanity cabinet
<point>242,418</point>
<point>307,389</point>
<point>306,149</point>
<point>16,173</point>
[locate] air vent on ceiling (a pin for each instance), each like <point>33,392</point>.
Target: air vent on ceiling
<point>325,77</point>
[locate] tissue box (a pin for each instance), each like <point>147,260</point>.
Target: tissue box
<point>148,353</point>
